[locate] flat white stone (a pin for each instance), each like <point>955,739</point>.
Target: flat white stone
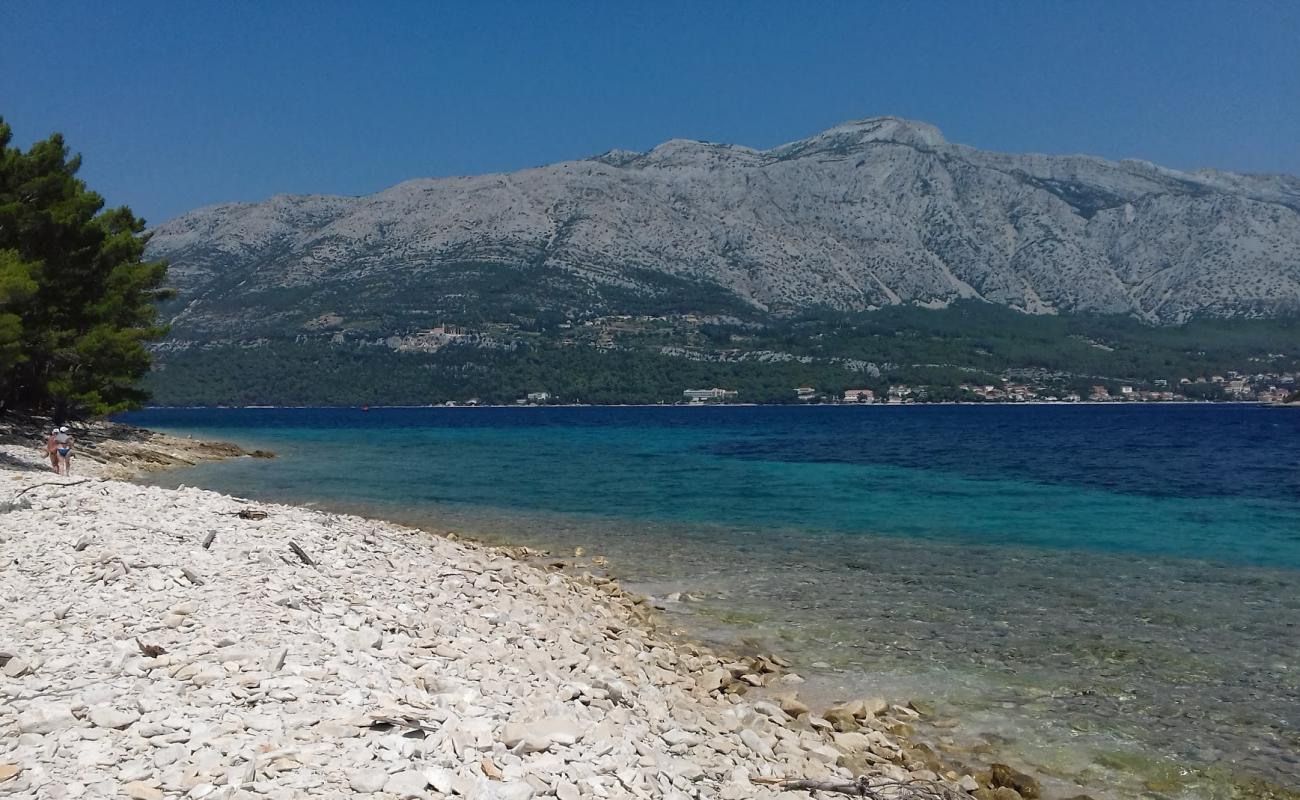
<point>410,783</point>
<point>677,736</point>
<point>46,717</point>
<point>17,667</point>
<point>110,717</point>
<point>515,790</point>
<point>440,778</point>
<point>142,791</point>
<point>367,781</point>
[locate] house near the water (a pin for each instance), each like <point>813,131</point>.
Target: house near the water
<point>709,395</point>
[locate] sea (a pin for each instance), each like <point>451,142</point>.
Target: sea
<point>1105,595</point>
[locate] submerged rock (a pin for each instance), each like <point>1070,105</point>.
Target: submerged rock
<point>1003,776</point>
<point>842,718</point>
<point>793,706</point>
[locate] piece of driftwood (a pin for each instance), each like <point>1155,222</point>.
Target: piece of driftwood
<point>251,513</point>
<point>151,650</point>
<point>301,554</point>
<point>402,722</point>
<point>865,787</point>
<point>207,540</point>
<point>49,483</point>
<point>192,576</point>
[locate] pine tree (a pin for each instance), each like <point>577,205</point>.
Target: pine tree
<point>77,300</point>
<point>16,286</point>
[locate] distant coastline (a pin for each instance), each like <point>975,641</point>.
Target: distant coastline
<point>1081,403</point>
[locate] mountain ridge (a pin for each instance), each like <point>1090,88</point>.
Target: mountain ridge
<point>869,213</point>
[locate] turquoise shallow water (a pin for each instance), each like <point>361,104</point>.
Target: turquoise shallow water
<point>1110,594</point>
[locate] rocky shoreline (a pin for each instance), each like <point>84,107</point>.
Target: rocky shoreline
<point>112,449</point>
<point>182,643</point>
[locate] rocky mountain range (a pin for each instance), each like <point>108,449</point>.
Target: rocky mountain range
<point>870,213</point>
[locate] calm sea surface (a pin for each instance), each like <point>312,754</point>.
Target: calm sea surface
<point>1107,594</point>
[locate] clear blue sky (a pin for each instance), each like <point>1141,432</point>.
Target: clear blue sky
<point>178,105</point>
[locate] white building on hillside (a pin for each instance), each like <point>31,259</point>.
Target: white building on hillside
<point>708,395</point>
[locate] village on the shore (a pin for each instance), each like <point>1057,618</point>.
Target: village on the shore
<point>1232,387</point>
<point>1020,385</point>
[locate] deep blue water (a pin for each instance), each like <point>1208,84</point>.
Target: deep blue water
<point>1107,594</point>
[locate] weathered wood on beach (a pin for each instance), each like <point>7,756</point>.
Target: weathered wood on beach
<point>301,554</point>
<point>192,576</point>
<point>151,650</point>
<point>207,540</point>
<point>864,787</point>
<point>49,483</point>
<point>402,723</point>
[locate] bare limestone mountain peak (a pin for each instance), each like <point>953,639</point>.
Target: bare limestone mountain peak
<point>869,213</point>
<point>895,130</point>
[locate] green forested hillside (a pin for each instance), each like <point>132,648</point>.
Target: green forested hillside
<point>996,338</point>
<point>625,362</point>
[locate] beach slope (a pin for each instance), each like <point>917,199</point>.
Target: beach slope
<point>157,644</point>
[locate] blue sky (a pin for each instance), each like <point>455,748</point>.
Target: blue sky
<point>179,105</point>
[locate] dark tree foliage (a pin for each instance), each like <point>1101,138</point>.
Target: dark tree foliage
<point>317,373</point>
<point>76,297</point>
<point>995,338</point>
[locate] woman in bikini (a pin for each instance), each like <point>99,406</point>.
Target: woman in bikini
<point>64,451</point>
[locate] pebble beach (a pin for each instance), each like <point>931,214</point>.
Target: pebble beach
<point>183,643</point>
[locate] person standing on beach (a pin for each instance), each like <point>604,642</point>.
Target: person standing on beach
<point>63,449</point>
<point>51,449</point>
